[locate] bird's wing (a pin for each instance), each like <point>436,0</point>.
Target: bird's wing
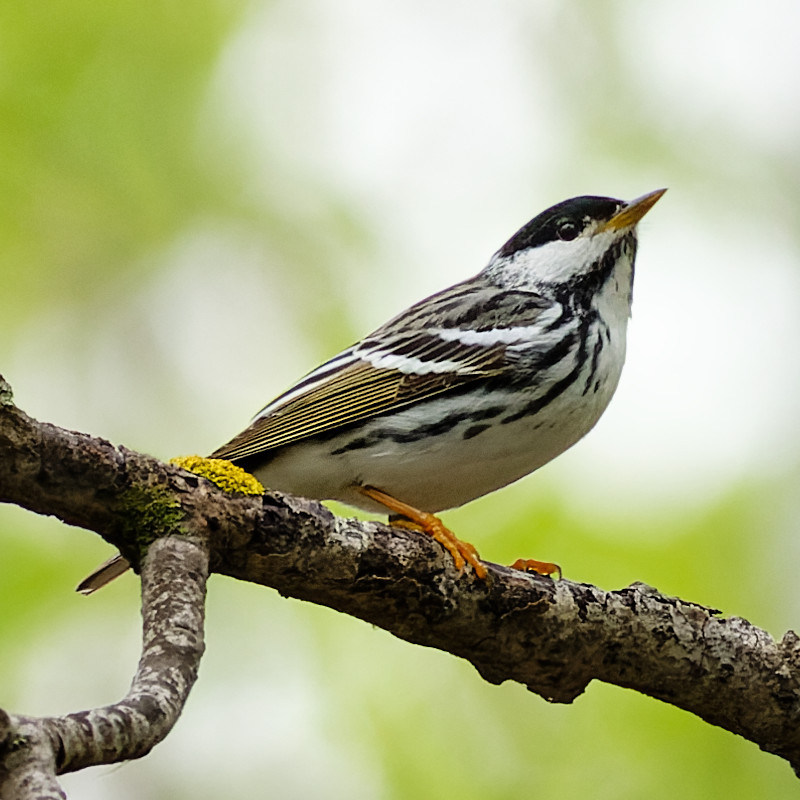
<point>400,364</point>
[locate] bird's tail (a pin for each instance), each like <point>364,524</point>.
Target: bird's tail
<point>104,574</point>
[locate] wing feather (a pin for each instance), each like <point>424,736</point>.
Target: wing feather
<point>400,364</point>
<point>357,392</point>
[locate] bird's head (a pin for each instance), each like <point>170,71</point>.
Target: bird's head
<point>568,240</point>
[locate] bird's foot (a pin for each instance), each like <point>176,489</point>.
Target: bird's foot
<point>462,552</point>
<point>540,567</point>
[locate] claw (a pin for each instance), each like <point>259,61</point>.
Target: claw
<point>462,552</point>
<point>540,567</point>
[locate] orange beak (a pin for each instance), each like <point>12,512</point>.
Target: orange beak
<point>633,212</point>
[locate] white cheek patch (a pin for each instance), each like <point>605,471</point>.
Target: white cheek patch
<point>554,262</point>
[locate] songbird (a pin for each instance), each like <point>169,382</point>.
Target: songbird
<point>467,390</point>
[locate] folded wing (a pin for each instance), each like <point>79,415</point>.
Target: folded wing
<point>400,364</point>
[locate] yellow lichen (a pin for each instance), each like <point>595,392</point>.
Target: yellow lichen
<point>224,474</point>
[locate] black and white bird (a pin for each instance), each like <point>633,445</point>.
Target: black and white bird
<point>467,390</point>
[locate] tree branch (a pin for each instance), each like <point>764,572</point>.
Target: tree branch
<point>34,750</point>
<point>554,637</point>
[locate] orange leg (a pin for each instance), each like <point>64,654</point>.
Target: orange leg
<point>462,552</point>
<point>532,565</point>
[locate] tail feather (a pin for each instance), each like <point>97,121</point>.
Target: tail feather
<point>104,574</point>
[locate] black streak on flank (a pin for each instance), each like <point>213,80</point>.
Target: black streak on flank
<point>475,430</point>
<point>356,444</point>
<point>556,353</point>
<point>558,388</point>
<point>435,428</point>
<point>598,346</point>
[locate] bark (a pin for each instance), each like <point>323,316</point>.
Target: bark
<point>34,750</point>
<point>554,637</point>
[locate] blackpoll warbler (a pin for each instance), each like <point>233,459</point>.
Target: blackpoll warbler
<point>467,390</point>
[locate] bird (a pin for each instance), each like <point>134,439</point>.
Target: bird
<point>467,390</point>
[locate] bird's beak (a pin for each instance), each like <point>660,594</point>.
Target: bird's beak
<point>632,213</point>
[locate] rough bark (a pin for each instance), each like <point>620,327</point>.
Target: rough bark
<point>34,750</point>
<point>554,637</point>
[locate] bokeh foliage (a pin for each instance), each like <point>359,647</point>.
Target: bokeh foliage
<point>156,257</point>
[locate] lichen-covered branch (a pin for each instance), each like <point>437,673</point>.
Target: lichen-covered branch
<point>34,750</point>
<point>554,637</point>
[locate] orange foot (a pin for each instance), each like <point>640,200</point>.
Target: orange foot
<point>532,565</point>
<point>462,552</point>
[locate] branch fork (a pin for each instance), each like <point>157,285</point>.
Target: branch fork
<point>552,636</point>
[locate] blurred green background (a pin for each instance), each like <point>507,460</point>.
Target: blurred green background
<point>201,202</point>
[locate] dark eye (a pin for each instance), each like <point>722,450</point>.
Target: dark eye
<point>567,230</point>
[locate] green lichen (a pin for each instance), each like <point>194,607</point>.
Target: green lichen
<point>220,472</point>
<point>147,513</point>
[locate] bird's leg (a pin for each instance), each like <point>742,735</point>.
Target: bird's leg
<point>462,552</point>
<point>532,565</point>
